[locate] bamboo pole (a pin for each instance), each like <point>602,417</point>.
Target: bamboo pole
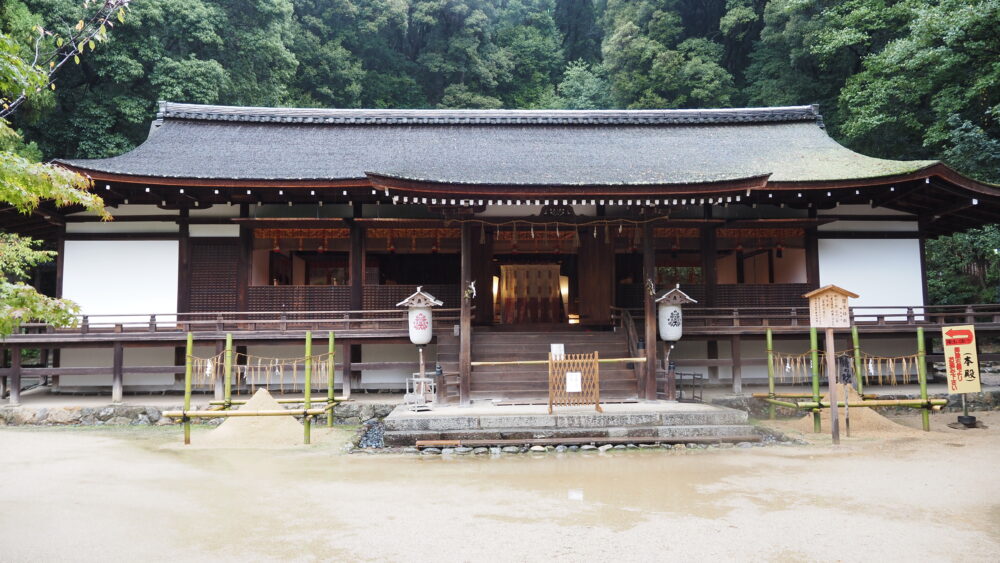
<point>187,387</point>
<point>770,373</point>
<point>292,401</point>
<point>330,365</point>
<point>925,415</point>
<point>228,389</point>
<point>229,414</point>
<point>814,348</point>
<point>545,362</point>
<point>307,403</point>
<point>772,402</point>
<point>858,366</point>
<point>917,403</point>
<point>799,396</point>
<point>831,378</point>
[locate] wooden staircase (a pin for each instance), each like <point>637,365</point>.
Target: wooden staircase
<point>529,384</point>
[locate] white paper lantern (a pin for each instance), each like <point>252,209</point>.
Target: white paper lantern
<point>670,321</point>
<point>421,322</point>
<point>668,314</point>
<point>420,319</point>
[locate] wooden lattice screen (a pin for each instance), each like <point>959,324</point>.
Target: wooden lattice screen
<point>590,383</point>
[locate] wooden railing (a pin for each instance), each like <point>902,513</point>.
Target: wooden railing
<point>377,320</point>
<point>623,321</point>
<point>902,315</point>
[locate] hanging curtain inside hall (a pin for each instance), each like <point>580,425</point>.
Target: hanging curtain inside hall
<point>530,294</point>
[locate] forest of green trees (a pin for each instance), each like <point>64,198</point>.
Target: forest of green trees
<point>894,78</point>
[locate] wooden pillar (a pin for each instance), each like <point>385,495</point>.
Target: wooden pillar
<point>345,378</point>
<point>649,310</point>
<point>595,278</point>
<point>713,354</point>
<point>482,273</point>
<point>709,255</point>
<point>356,266</point>
<point>117,373</point>
<point>736,354</point>
<point>812,254</point>
<point>15,375</point>
<point>244,262</point>
<point>184,262</point>
<point>465,320</point>
<point>60,259</point>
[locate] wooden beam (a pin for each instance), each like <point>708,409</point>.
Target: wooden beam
<point>648,277</point>
<point>812,255</point>
<point>709,256</point>
<point>465,323</point>
<point>244,263</point>
<point>953,209</point>
<point>184,264</point>
<point>15,376</point>
<point>737,364</point>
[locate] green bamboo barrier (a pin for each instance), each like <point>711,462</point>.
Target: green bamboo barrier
<point>798,396</point>
<point>770,373</point>
<point>307,403</point>
<point>330,365</point>
<point>187,387</point>
<point>926,404</point>
<point>220,409</point>
<point>814,346</point>
<point>856,340</point>
<point>925,416</point>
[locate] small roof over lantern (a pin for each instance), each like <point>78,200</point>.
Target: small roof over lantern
<point>420,299</point>
<point>675,297</point>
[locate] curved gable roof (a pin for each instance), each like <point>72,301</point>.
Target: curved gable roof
<point>494,147</point>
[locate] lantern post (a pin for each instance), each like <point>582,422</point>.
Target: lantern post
<point>420,320</point>
<point>670,320</point>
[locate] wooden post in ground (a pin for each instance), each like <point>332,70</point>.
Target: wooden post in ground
<point>307,388</point>
<point>117,373</point>
<point>736,354</point>
<point>770,374</point>
<point>187,387</point>
<point>465,320</point>
<point>925,413</point>
<point>228,372</point>
<point>345,351</point>
<point>649,310</point>
<point>814,349</point>
<point>831,377</point>
<point>15,375</point>
<point>330,373</point>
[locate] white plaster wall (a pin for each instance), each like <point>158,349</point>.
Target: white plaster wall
<point>393,378</point>
<point>882,272</point>
<point>121,277</point>
<point>103,357</point>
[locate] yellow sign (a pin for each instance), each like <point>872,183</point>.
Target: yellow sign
<point>961,359</point>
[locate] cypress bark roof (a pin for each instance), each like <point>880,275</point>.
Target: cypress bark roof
<point>495,147</point>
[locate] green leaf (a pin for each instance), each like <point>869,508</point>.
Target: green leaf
<point>121,15</point>
<point>80,46</point>
<point>76,59</point>
<point>59,41</point>
<point>91,43</point>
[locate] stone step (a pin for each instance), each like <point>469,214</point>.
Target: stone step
<point>644,434</point>
<point>402,419</point>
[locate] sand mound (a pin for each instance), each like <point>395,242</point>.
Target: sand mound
<point>256,431</point>
<point>864,421</point>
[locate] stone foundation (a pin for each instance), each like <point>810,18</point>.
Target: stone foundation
<point>758,408</point>
<point>126,414</point>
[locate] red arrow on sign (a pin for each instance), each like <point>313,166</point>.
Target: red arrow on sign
<point>958,337</point>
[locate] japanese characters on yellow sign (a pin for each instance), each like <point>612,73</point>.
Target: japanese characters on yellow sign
<point>961,359</point>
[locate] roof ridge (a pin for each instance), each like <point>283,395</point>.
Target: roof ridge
<point>319,116</point>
